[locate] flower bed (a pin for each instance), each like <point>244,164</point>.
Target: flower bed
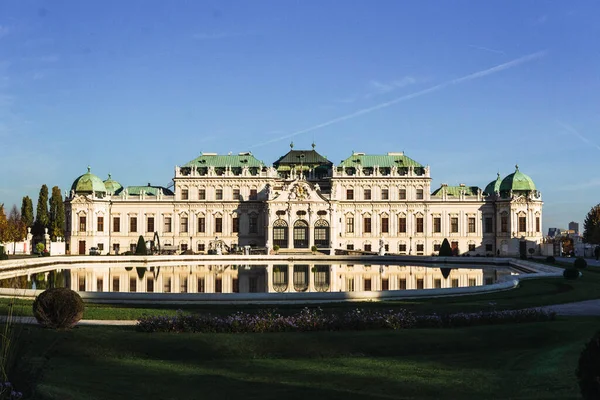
<point>316,320</point>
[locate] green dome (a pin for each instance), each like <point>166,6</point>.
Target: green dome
<point>493,186</point>
<point>89,183</point>
<point>517,182</point>
<point>112,186</point>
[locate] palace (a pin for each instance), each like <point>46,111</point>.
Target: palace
<point>304,200</point>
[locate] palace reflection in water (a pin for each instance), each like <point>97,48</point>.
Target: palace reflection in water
<point>276,278</point>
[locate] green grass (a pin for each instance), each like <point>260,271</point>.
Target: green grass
<point>524,361</point>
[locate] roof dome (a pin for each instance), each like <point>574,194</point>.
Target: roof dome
<point>112,186</point>
<point>493,186</point>
<point>89,183</point>
<point>517,182</point>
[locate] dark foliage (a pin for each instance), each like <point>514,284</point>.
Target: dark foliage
<point>445,249</point>
<point>588,369</point>
<point>551,259</point>
<point>58,308</point>
<point>571,273</point>
<point>580,263</point>
<point>141,249</point>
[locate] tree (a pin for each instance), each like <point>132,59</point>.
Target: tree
<point>27,212</point>
<point>57,213</point>
<point>16,229</point>
<point>591,226</point>
<point>141,249</point>
<point>41,218</point>
<point>3,225</point>
<point>445,249</point>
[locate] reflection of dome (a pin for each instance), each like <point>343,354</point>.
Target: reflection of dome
<point>517,182</point>
<point>493,186</point>
<point>89,183</point>
<point>112,186</point>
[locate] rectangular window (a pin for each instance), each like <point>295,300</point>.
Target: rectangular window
<point>235,285</point>
<point>504,223</point>
<point>201,194</point>
<point>367,194</point>
<point>150,284</point>
<point>385,284</point>
<point>367,284</point>
<point>402,284</point>
<point>420,283</point>
<point>184,194</point>
<point>253,194</point>
<point>367,247</point>
<point>349,194</point>
<point>218,285</point>
<point>454,224</point>
<point>419,194</point>
<point>99,284</point>
<point>218,225</point>
<point>537,224</point>
<point>183,224</point>
<point>522,224</point>
<point>82,224</point>
<point>235,225</point>
<point>201,224</point>
<point>116,248</point>
<point>419,225</point>
<point>132,284</point>
<point>349,224</point>
<point>489,227</point>
<point>385,194</point>
<point>350,246</point>
<point>167,285</point>
<point>116,224</point>
<point>100,224</point>
<point>402,224</point>
<point>402,248</point>
<point>101,246</point>
<point>454,283</point>
<point>472,282</point>
<point>437,283</point>
<point>81,283</point>
<point>471,225</point>
<point>489,247</point>
<point>420,248</point>
<point>201,247</point>
<point>436,247</point>
<point>253,284</point>
<point>115,284</point>
<point>184,247</point>
<point>471,247</point>
<point>133,224</point>
<point>253,223</point>
<point>201,287</point>
<point>236,194</point>
<point>489,281</point>
<point>183,284</point>
<point>219,194</point>
<point>437,225</point>
<point>150,224</point>
<point>385,225</point>
<point>168,227</point>
<point>402,194</point>
<point>367,225</point>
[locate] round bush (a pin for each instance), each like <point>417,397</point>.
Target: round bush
<point>571,273</point>
<point>58,308</point>
<point>551,259</point>
<point>580,263</point>
<point>588,369</point>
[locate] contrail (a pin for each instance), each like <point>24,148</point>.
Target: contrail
<point>487,49</point>
<point>579,135</point>
<point>475,75</point>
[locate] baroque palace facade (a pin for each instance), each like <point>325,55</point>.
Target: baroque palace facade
<point>302,200</point>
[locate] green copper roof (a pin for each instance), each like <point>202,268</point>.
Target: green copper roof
<point>112,186</point>
<point>88,183</point>
<point>383,161</point>
<point>304,157</point>
<point>454,191</point>
<point>222,161</point>
<point>149,190</point>
<point>493,186</point>
<point>517,181</point>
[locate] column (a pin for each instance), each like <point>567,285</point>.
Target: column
<point>269,272</point>
<point>311,278</point>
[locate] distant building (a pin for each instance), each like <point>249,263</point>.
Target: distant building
<point>574,226</point>
<point>554,232</point>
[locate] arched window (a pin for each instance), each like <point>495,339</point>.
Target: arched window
<point>321,233</point>
<point>280,278</point>
<point>301,234</point>
<point>322,278</point>
<point>280,233</point>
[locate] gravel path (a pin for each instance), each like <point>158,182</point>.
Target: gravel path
<point>580,308</point>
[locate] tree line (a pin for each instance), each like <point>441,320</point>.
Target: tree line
<point>50,214</point>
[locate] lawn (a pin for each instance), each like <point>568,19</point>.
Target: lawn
<point>525,361</point>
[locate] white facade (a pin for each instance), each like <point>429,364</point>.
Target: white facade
<point>298,204</point>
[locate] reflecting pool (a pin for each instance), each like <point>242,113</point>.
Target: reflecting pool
<point>264,278</point>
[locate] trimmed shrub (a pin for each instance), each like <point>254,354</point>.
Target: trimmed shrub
<point>571,273</point>
<point>3,255</point>
<point>580,263</point>
<point>445,249</point>
<point>551,259</point>
<point>58,308</point>
<point>141,249</point>
<point>313,248</point>
<point>588,369</point>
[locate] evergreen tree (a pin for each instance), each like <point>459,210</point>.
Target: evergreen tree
<point>445,249</point>
<point>57,213</point>
<point>27,212</point>
<point>3,225</point>
<point>16,229</point>
<point>591,226</point>
<point>141,249</point>
<point>41,219</point>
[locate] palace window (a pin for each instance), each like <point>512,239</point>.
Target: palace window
<point>367,194</point>
<point>489,227</point>
<point>489,247</point>
<point>349,246</point>
<point>132,284</point>
<point>100,224</point>
<point>454,224</point>
<point>201,247</point>
<point>115,284</point>
<point>402,247</point>
<point>219,285</point>
<point>420,283</point>
<point>437,224</point>
<point>235,226</point>
<point>537,224</point>
<point>385,224</point>
<point>201,287</point>
<point>471,247</point>
<point>402,224</point>
<point>436,247</point>
<point>116,224</point>
<point>402,284</point>
<point>183,223</point>
<point>367,284</point>
<point>253,194</point>
<point>471,225</point>
<point>504,223</point>
<point>133,224</point>
<point>201,224</point>
<point>184,194</point>
<point>236,194</point>
<point>201,194</point>
<point>367,247</point>
<point>219,194</point>
<point>420,249</point>
<point>367,225</point>
<point>437,283</point>
<point>419,194</point>
<point>150,224</point>
<point>150,284</point>
<point>419,224</point>
<point>349,194</point>
<point>349,224</point>
<point>472,282</point>
<point>402,194</point>
<point>522,224</point>
<point>82,224</point>
<point>168,226</point>
<point>218,225</point>
<point>385,194</point>
<point>454,283</point>
<point>252,223</point>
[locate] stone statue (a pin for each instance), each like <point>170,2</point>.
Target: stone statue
<point>381,247</point>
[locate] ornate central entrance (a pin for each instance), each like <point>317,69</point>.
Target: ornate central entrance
<point>301,234</point>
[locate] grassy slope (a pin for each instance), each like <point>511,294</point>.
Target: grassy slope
<point>525,361</point>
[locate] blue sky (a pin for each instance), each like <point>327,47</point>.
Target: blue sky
<point>468,87</point>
